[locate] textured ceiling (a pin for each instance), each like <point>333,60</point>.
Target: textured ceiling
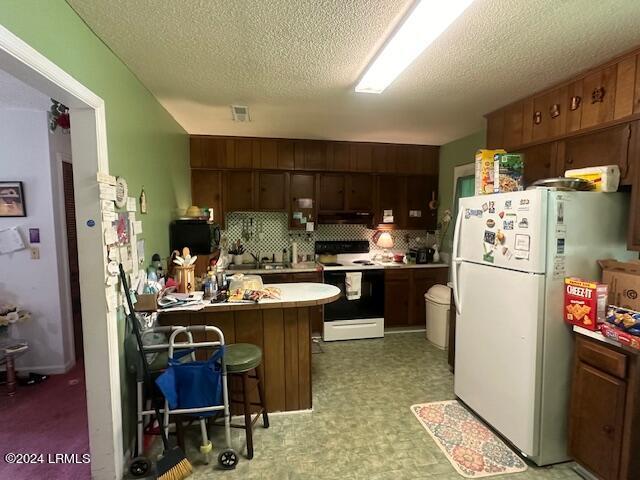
<point>296,62</point>
<point>16,94</point>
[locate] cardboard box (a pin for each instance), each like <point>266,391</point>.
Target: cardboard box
<point>623,279</point>
<point>147,302</point>
<point>508,173</point>
<point>618,335</point>
<point>484,170</point>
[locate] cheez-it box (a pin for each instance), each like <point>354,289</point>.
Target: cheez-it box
<point>585,302</point>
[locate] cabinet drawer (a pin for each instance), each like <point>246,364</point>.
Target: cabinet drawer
<point>603,358</point>
<point>400,274</point>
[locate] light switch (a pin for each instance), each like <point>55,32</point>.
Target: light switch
<point>35,253</point>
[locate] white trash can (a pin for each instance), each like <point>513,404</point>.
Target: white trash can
<point>438,301</point>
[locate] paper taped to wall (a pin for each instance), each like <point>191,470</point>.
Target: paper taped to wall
<point>10,240</point>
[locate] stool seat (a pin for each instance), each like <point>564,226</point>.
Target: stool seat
<point>242,357</point>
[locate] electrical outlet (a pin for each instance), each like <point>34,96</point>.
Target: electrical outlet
<point>35,253</point>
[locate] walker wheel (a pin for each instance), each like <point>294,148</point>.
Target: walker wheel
<point>228,459</point>
<point>140,466</point>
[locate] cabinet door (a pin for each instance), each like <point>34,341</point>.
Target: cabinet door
<point>310,155</point>
<point>610,146</point>
<point>550,114</point>
<point>303,192</point>
<point>396,298</point>
<point>360,193</point>
<point>420,190</point>
<point>238,191</point>
<point>423,279</point>
<point>495,130</point>
<point>361,157</point>
<point>211,152</point>
<point>339,156</point>
<point>391,195</point>
<point>539,162</point>
<point>332,192</point>
<point>245,151</point>
<point>429,159</point>
<point>268,278</point>
<point>513,125</point>
<point>384,158</point>
<point>268,153</point>
<point>598,102</point>
<point>206,191</point>
<point>272,191</point>
<point>286,154</point>
<point>596,420</point>
<point>625,85</point>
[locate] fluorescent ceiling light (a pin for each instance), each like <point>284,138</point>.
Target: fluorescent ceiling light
<point>422,26</point>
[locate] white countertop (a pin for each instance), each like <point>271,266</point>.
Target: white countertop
<point>320,268</point>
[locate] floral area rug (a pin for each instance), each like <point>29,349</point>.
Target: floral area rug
<point>473,449</point>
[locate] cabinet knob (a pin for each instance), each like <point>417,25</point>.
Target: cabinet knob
<point>569,160</point>
<point>608,429</point>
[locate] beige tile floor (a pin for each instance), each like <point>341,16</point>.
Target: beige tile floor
<point>361,426</point>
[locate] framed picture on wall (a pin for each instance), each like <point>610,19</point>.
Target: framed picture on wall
<point>12,200</point>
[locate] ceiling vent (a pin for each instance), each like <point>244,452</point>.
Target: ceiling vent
<point>240,113</point>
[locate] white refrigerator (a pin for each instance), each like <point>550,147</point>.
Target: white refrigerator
<point>511,253</point>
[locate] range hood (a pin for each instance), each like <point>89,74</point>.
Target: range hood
<point>345,218</point>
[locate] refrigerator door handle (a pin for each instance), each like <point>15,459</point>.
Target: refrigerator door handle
<point>456,262</point>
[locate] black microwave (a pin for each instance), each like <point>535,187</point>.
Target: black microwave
<point>201,236</point>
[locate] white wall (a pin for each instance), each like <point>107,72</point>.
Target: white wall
<point>26,155</point>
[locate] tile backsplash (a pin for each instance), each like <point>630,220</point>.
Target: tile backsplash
<point>268,232</point>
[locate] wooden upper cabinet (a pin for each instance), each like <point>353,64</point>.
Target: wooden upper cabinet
<point>302,189</point>
<point>599,93</point>
<point>384,158</point>
<point>332,192</point>
<point>574,106</point>
<point>310,155</point>
<point>391,195</point>
<point>339,157</point>
<point>268,158</point>
<point>495,130</point>
<point>359,192</point>
<point>420,190</point>
<point>429,160</point>
<point>286,155</point>
<point>513,125</point>
<point>245,150</point>
<point>539,161</point>
<point>625,87</point>
<point>238,191</point>
<point>361,157</point>
<point>610,146</point>
<point>206,191</point>
<point>211,152</point>
<point>272,191</point>
<point>549,114</point>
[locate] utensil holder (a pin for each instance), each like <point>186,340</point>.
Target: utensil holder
<point>186,279</point>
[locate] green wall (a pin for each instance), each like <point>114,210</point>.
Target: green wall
<point>146,145</point>
<point>452,154</point>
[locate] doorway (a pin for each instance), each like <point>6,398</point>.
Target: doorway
<point>72,252</point>
<point>89,148</point>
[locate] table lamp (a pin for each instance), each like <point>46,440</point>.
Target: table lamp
<point>385,241</point>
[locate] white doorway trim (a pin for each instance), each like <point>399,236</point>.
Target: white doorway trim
<point>89,151</point>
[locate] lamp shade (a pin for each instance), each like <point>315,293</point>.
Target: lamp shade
<point>385,240</point>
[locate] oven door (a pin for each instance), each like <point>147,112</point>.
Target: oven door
<point>369,305</point>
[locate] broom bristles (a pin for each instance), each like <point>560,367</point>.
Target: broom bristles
<point>173,465</point>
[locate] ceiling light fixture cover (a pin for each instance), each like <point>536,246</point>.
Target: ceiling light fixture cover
<point>425,23</point>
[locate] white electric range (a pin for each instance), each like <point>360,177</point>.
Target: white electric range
<point>363,317</point>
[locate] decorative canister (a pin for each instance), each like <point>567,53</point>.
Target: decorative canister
<point>186,279</point>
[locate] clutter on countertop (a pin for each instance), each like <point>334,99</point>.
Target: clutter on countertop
<point>241,295</point>
<point>11,314</point>
<point>585,302</point>
<point>624,319</point>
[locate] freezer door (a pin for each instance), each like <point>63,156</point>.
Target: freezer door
<point>506,229</point>
<point>498,342</point>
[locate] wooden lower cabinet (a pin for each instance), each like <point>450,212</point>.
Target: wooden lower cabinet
<point>604,420</point>
<point>404,291</point>
<point>312,277</point>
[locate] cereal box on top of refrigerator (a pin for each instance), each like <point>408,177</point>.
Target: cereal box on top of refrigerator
<point>508,172</point>
<point>485,170</point>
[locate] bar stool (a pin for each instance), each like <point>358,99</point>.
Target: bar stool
<point>242,359</point>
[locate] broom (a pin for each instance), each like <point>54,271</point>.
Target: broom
<point>173,464</point>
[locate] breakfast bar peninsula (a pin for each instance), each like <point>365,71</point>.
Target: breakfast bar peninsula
<point>280,327</point>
